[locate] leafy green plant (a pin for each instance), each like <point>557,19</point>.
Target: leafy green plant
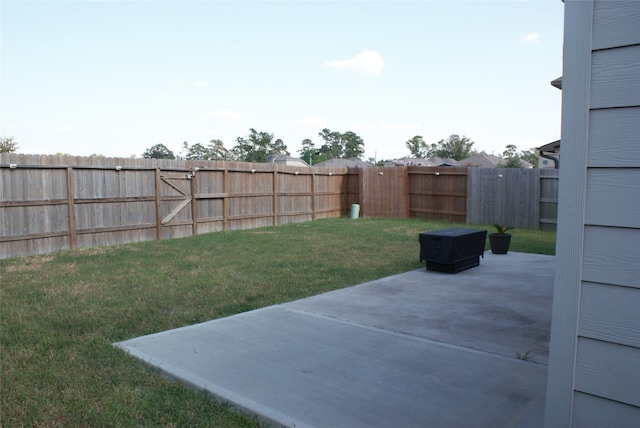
<point>502,229</point>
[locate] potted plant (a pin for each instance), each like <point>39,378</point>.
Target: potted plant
<point>499,241</point>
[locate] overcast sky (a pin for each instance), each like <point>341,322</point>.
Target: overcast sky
<point>117,77</point>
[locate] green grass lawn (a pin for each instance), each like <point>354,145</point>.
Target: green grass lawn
<point>59,313</point>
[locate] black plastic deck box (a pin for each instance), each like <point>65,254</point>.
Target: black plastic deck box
<point>452,250</point>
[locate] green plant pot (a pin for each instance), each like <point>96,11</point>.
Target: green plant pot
<point>499,242</point>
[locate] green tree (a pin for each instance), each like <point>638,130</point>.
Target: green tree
<point>417,147</point>
<point>530,156</point>
<point>195,152</point>
<point>8,145</point>
<point>256,146</point>
<point>333,146</point>
<point>454,147</point>
<point>511,158</point>
<point>218,150</point>
<point>159,151</point>
<point>279,147</point>
<point>374,162</point>
<point>338,145</point>
<point>353,145</point>
<point>308,151</point>
<point>214,150</point>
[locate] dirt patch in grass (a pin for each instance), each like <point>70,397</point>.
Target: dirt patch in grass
<point>27,264</point>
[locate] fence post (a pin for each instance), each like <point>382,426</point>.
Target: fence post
<point>275,196</point>
<point>71,208</point>
<point>361,194</point>
<point>158,204</point>
<point>313,195</point>
<point>194,203</point>
<point>225,198</point>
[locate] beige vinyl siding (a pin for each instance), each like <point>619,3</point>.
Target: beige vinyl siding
<point>594,369</point>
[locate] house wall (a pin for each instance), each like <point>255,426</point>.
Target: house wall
<point>546,162</point>
<point>594,364</point>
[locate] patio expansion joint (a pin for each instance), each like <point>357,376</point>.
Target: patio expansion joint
<point>408,336</point>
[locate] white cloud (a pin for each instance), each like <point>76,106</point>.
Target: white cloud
<point>369,62</point>
<point>313,122</point>
<point>531,39</point>
<point>201,84</point>
<point>225,115</point>
<point>178,82</point>
<point>70,128</point>
<point>107,115</point>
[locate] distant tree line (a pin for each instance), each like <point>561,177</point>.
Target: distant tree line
<point>454,147</point>
<point>257,146</point>
<point>459,148</point>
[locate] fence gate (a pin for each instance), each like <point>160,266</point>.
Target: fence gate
<point>177,209</point>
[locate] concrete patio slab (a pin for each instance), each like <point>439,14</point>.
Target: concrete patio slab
<point>421,348</point>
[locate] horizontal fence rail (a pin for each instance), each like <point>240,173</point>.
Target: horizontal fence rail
<point>51,203</point>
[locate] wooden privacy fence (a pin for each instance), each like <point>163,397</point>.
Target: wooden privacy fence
<point>438,193</point>
<point>48,203</point>
<point>381,192</point>
<point>523,198</point>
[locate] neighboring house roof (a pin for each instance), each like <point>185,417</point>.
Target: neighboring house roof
<point>482,159</point>
<point>552,147</point>
<point>340,163</point>
<point>410,162</point>
<point>282,159</point>
<point>557,83</point>
<point>444,162</point>
<point>489,161</point>
<point>551,152</point>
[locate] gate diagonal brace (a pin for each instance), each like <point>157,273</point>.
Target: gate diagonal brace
<point>175,211</point>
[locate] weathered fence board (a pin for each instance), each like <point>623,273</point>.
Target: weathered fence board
<point>383,192</point>
<point>508,196</point>
<point>438,193</point>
